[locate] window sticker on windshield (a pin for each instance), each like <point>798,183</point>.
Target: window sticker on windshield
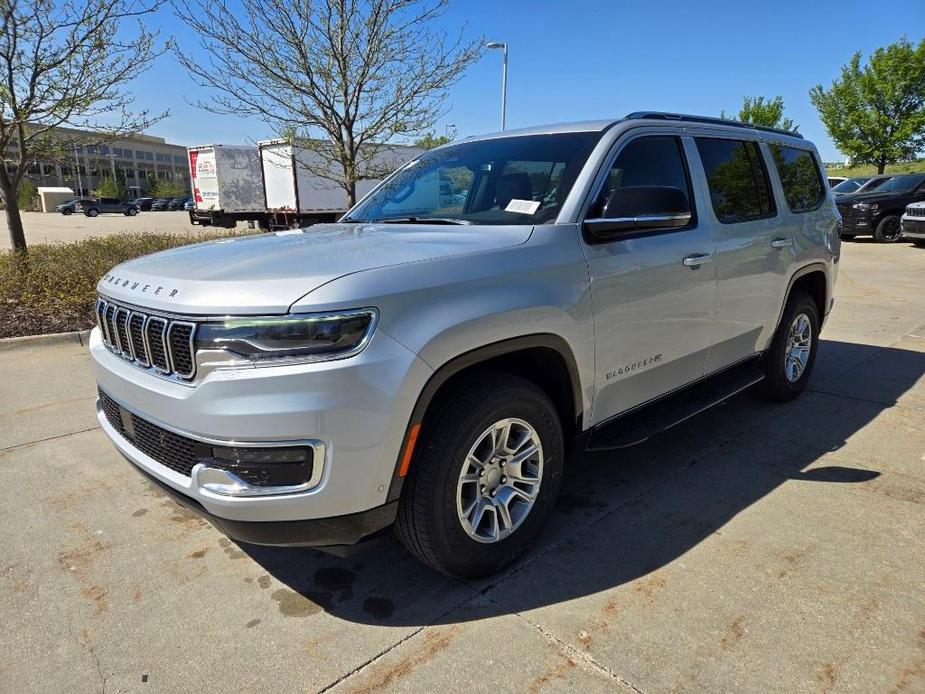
<point>522,206</point>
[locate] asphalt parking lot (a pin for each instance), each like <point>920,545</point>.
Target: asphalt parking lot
<point>757,547</point>
<point>57,228</point>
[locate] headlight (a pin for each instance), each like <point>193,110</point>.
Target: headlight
<point>865,206</point>
<point>298,337</point>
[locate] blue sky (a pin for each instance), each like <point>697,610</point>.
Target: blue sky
<point>576,60</point>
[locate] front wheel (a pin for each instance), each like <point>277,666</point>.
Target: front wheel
<point>789,361</point>
<point>92,213</point>
<point>888,230</point>
<point>484,477</point>
<point>131,212</point>
<point>67,212</point>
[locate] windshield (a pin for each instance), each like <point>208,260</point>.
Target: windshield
<point>902,184</point>
<point>509,180</point>
<point>849,186</point>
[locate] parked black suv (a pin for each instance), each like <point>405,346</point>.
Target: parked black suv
<point>92,208</point>
<point>878,213</point>
<point>177,203</point>
<point>160,204</point>
<point>143,204</point>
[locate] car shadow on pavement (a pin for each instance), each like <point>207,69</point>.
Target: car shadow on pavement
<point>623,514</point>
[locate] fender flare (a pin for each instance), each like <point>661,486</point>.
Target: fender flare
<point>471,358</point>
<point>802,272</point>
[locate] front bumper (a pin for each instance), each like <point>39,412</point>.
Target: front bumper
<point>856,221</point>
<point>357,409</point>
<point>340,531</point>
<point>913,227</point>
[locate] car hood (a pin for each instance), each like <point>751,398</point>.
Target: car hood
<point>873,196</point>
<point>267,273</point>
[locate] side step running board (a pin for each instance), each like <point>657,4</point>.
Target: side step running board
<point>644,422</point>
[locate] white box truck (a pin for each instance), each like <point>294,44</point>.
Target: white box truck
<point>295,193</point>
<point>227,185</point>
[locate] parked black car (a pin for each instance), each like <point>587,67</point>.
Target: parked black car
<point>879,212</point>
<point>177,203</point>
<point>143,204</point>
<point>95,206</point>
<point>160,205</point>
<point>190,205</point>
<point>68,206</point>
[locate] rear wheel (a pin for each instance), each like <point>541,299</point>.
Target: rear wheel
<point>888,230</point>
<point>67,212</point>
<point>789,361</point>
<point>131,212</point>
<point>484,477</point>
<point>92,213</point>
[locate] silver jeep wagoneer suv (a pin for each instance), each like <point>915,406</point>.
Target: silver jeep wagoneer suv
<point>430,361</point>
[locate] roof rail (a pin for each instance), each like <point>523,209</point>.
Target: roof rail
<point>661,115</point>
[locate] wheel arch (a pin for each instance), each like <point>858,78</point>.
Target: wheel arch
<point>545,359</point>
<point>814,280</point>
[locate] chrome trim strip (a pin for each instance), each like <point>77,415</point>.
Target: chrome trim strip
<point>192,350</point>
<point>101,319</point>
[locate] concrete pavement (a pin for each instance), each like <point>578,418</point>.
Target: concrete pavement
<point>757,547</point>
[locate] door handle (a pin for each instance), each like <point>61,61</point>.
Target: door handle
<point>697,259</point>
<point>781,243</point>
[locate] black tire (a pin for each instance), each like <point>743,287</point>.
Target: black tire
<point>428,523</point>
<point>888,230</point>
<point>92,213</point>
<point>67,212</point>
<point>847,237</point>
<point>131,212</point>
<point>778,386</point>
<point>918,242</point>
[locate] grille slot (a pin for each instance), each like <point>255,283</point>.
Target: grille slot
<point>171,450</point>
<point>122,315</point>
<point>151,341</point>
<point>136,327</point>
<point>915,211</point>
<point>180,343</point>
<point>155,333</point>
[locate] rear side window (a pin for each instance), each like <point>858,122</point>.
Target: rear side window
<point>646,161</point>
<point>800,178</point>
<point>737,178</point>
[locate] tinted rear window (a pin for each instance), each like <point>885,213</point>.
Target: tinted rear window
<point>737,178</point>
<point>799,177</point>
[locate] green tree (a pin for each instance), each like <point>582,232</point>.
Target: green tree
<point>765,112</point>
<point>66,64</point>
<point>25,194</point>
<point>430,140</point>
<point>108,188</point>
<point>875,113</point>
<point>170,188</point>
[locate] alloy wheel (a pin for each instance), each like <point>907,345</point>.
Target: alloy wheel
<point>499,480</point>
<point>799,344</point>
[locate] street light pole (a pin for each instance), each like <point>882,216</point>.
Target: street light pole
<point>503,46</point>
<point>80,185</point>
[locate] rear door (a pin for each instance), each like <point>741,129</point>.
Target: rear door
<point>754,246</point>
<point>652,291</point>
<point>110,205</point>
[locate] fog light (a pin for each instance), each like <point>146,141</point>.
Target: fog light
<point>233,471</point>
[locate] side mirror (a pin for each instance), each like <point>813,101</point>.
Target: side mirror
<point>640,208</point>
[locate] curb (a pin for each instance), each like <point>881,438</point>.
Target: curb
<point>9,344</point>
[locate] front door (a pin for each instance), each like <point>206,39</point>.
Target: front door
<point>652,291</point>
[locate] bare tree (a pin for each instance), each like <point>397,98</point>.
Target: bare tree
<point>65,63</point>
<point>348,75</point>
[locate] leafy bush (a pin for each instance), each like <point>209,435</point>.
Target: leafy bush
<point>53,287</point>
<point>108,188</point>
<point>169,188</point>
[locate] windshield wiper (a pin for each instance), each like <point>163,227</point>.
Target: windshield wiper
<point>420,220</point>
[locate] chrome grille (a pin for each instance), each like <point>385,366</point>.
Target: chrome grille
<point>915,211</point>
<point>150,341</point>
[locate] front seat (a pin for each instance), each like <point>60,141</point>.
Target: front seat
<point>513,186</point>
